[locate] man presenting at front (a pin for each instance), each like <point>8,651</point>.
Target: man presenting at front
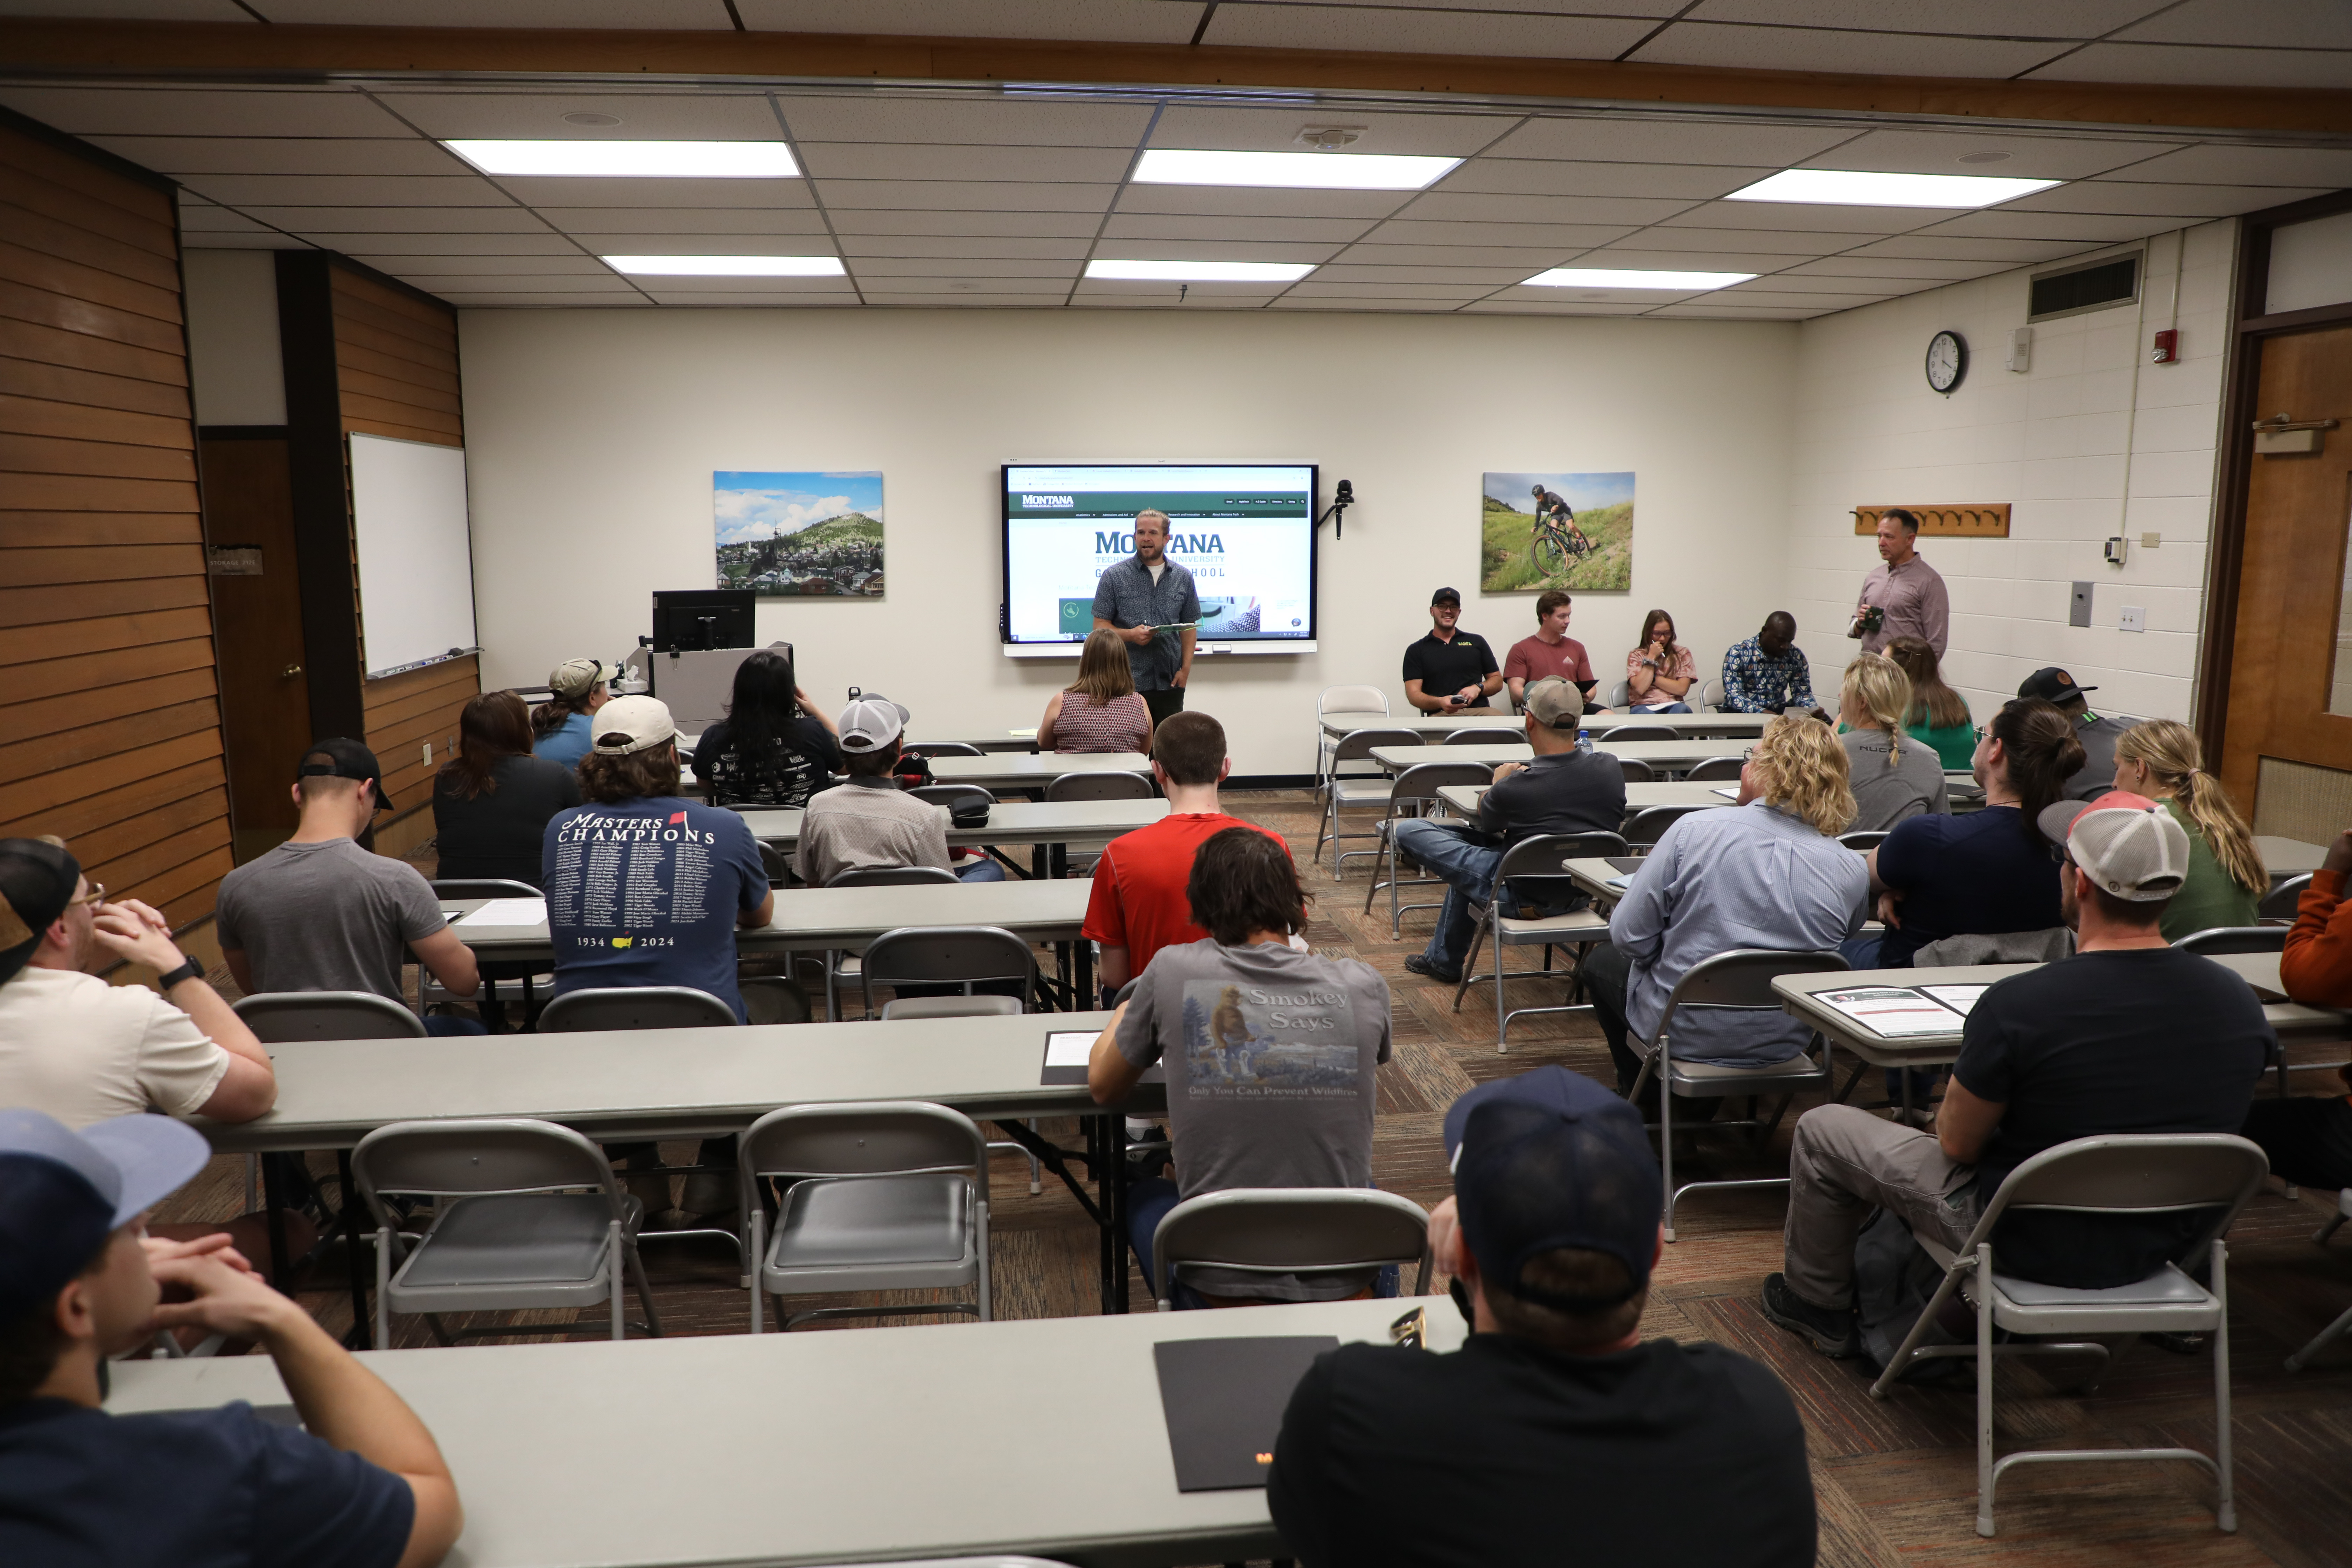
<point>1903,596</point>
<point>1150,603</point>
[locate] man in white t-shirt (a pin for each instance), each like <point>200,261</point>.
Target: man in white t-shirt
<point>78,1050</point>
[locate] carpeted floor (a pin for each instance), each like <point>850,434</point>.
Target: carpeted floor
<point>1896,1479</point>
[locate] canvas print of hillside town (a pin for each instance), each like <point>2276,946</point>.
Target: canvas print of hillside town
<point>800,534</point>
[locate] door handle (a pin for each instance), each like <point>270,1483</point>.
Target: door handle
<point>290,671</point>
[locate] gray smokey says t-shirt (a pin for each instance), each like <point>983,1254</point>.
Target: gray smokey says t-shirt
<point>1270,1056</point>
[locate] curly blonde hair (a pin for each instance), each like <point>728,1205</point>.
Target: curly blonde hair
<point>1880,688</point>
<point>1802,769</point>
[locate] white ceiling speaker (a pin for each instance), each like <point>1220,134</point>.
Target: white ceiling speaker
<point>1329,138</point>
<point>1985,158</point>
<point>586,118</point>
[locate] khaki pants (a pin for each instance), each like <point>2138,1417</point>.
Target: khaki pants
<point>1845,1163</point>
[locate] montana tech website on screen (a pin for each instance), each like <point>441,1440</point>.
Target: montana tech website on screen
<point>1248,535</point>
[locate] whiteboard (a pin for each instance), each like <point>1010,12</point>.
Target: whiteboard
<point>415,553</point>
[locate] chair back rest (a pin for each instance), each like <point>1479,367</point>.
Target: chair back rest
<point>1290,1230</point>
<point>482,887</point>
<point>1100,786</point>
<point>1351,700</point>
<point>950,1006</point>
<point>890,876</point>
<point>1356,745</point>
<point>772,861</point>
<point>943,749</point>
<point>1711,695</point>
<point>1650,824</point>
<point>865,1138</point>
<point>1497,736</point>
<point>2135,1172</point>
<point>772,999</point>
<point>1539,864</point>
<point>467,1157</point>
<point>277,1017</point>
<point>1638,732</point>
<point>1864,842</point>
<point>635,1007</point>
<point>952,954</point>
<point>1636,771</point>
<point>2216,940</point>
<point>2282,901</point>
<point>1723,769</point>
<point>1420,782</point>
<point>2046,946</point>
<point>1617,695</point>
<point>1743,978</point>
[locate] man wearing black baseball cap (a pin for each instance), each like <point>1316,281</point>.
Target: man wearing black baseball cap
<point>363,1486</point>
<point>321,913</point>
<point>1450,670</point>
<point>2097,733</point>
<point>1555,1434</point>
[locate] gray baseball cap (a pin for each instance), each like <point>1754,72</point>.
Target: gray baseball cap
<point>2126,843</point>
<point>63,1193</point>
<point>1555,701</point>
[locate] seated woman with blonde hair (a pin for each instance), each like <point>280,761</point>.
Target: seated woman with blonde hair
<point>2163,760</point>
<point>1101,711</point>
<point>1892,774</point>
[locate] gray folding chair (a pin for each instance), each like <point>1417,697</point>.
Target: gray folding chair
<point>635,1007</point>
<point>943,749</point>
<point>1342,700</point>
<point>526,1215</point>
<point>2282,901</point>
<point>1647,825</point>
<point>1617,694</point>
<point>1716,769</point>
<point>1635,770</point>
<point>953,794</point>
<point>841,964</point>
<point>1738,980</point>
<point>952,1007</point>
<point>1497,736</point>
<point>1100,786</point>
<point>1341,790</point>
<point>2334,1331</point>
<point>1710,695</point>
<point>967,956</point>
<point>1290,1230</point>
<point>1638,732</point>
<point>278,1017</point>
<point>1864,842</point>
<point>1414,792</point>
<point>881,1195</point>
<point>2144,1173</point>
<point>530,972</point>
<point>1538,861</point>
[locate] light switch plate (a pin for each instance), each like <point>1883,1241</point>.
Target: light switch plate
<point>2078,612</point>
<point>427,749</point>
<point>2131,618</point>
<point>2150,540</point>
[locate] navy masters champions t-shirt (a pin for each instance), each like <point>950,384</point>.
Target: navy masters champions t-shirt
<point>646,893</point>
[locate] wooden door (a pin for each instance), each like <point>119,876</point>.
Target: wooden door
<point>2288,749</point>
<point>257,607</point>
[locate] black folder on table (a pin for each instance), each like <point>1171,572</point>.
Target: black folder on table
<point>1629,864</point>
<point>1223,1401</point>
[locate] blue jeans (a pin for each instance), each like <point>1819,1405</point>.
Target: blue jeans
<point>441,1024</point>
<point>1468,866</point>
<point>982,869</point>
<point>1148,1203</point>
<point>1669,708</point>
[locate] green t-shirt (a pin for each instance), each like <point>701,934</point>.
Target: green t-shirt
<point>2208,897</point>
<point>1955,743</point>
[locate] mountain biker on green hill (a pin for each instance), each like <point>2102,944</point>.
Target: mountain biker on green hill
<point>1552,509</point>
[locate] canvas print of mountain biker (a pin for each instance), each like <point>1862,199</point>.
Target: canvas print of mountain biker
<point>1552,508</point>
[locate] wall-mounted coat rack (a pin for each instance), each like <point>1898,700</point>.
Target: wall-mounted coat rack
<point>1989,520</point>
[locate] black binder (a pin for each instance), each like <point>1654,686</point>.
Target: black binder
<point>1223,1401</point>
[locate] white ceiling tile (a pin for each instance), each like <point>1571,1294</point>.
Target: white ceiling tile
<point>1522,260</point>
<point>181,156</point>
<point>1171,301</point>
<point>966,196</point>
<point>876,287</point>
<point>1380,305</point>
<point>780,287</point>
<point>869,268</point>
<point>1126,289</point>
<point>1750,297</point>
<point>552,191</point>
<point>666,14</point>
<point>1348,271</point>
<point>1626,139</point>
<point>1276,130</point>
<point>2202,66</point>
<point>400,220</point>
<point>2278,24</point>
<point>1028,225</point>
<point>2030,157</point>
<point>1150,226</point>
<point>537,113</point>
<point>347,190</point>
<point>1316,287</point>
<point>1082,21</point>
<point>2229,165</point>
<point>1517,305</point>
<point>1209,201</point>
<point>906,161</point>
<point>1294,25</point>
<point>2005,223</point>
<point>519,282</point>
<point>1714,312</point>
<point>131,10</point>
<point>1638,298</point>
<point>978,122</point>
<point>814,243</point>
<point>202,111</point>
<point>1675,237</point>
<point>804,219</point>
<point>2136,196</point>
<point>834,298</point>
<point>1893,267</point>
<point>925,245</point>
<point>1549,177</point>
<point>1828,49</point>
<point>1984,18</point>
<point>918,300</point>
<point>1804,217</point>
<point>381,246</point>
<point>1446,207</point>
<point>1564,236</point>
<point>545,302</point>
<point>1959,247</point>
<point>574,265</point>
<point>1214,250</point>
<point>1637,252</point>
<point>1807,282</point>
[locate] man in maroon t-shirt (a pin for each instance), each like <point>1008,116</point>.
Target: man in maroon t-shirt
<point>1138,904</point>
<point>1551,651</point>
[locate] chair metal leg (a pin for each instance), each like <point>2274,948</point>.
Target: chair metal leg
<point>644,1286</point>
<point>1036,1171</point>
<point>2334,1222</point>
<point>1502,1008</point>
<point>616,1260</point>
<point>1667,1146</point>
<point>383,1287</point>
<point>1470,959</point>
<point>2226,1515</point>
<point>980,1219</point>
<point>2320,1341</point>
<point>1985,1475</point>
<point>758,1251</point>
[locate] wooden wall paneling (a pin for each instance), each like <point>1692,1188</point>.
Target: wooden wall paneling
<point>37,792</point>
<point>125,802</point>
<point>26,645</point>
<point>78,601</point>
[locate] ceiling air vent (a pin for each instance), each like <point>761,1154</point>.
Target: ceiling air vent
<point>2092,286</point>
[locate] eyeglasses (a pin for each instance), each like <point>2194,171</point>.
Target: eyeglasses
<point>96,895</point>
<point>1749,755</point>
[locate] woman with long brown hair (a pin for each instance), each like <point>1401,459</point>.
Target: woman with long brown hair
<point>1101,711</point>
<point>559,727</point>
<point>491,801</point>
<point>1939,716</point>
<point>1660,673</point>
<point>2162,760</point>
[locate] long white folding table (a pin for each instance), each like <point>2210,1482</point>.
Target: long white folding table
<point>1008,770</point>
<point>1658,754</point>
<point>2284,857</point>
<point>853,1444</point>
<point>1463,799</point>
<point>1440,725</point>
<point>1061,824</point>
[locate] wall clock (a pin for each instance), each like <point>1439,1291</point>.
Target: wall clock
<point>1948,361</point>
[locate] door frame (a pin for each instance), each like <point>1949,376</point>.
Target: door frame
<point>2254,327</point>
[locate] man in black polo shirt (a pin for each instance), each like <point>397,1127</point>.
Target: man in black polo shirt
<point>1564,790</point>
<point>1450,670</point>
<point>1555,1434</point>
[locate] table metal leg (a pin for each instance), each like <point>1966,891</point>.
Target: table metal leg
<point>273,1208</point>
<point>360,1336</point>
<point>1096,1142</point>
<point>1114,1208</point>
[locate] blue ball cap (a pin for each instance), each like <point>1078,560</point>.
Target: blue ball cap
<point>1551,1159</point>
<point>63,1193</point>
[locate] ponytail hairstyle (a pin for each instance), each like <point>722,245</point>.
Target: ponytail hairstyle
<point>1932,702</point>
<point>549,717</point>
<point>1880,688</point>
<point>2171,752</point>
<point>493,727</point>
<point>2040,754</point>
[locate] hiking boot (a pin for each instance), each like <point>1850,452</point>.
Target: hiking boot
<point>1833,1332</point>
<point>1419,965</point>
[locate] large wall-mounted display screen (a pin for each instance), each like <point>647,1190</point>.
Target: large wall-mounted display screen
<point>1247,533</point>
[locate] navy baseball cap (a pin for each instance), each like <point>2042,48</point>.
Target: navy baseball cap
<point>63,1193</point>
<point>1551,1159</point>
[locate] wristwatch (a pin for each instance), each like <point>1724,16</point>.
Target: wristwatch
<point>190,970</point>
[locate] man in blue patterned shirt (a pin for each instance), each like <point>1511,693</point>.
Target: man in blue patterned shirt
<point>1768,673</point>
<point>1150,603</point>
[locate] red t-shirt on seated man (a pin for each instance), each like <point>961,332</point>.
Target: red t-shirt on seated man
<point>1138,904</point>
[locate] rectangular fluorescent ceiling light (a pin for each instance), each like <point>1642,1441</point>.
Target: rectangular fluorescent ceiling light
<point>1203,271</point>
<point>1614,277</point>
<point>634,159</point>
<point>1293,171</point>
<point>728,265</point>
<point>1863,188</point>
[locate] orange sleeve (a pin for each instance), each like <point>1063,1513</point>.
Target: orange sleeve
<point>2318,964</point>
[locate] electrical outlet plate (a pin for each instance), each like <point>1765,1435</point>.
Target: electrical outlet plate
<point>2078,611</point>
<point>2131,618</point>
<point>2150,540</point>
<point>427,750</point>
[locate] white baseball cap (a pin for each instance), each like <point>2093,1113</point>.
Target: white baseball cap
<point>2126,843</point>
<point>630,724</point>
<point>871,721</point>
